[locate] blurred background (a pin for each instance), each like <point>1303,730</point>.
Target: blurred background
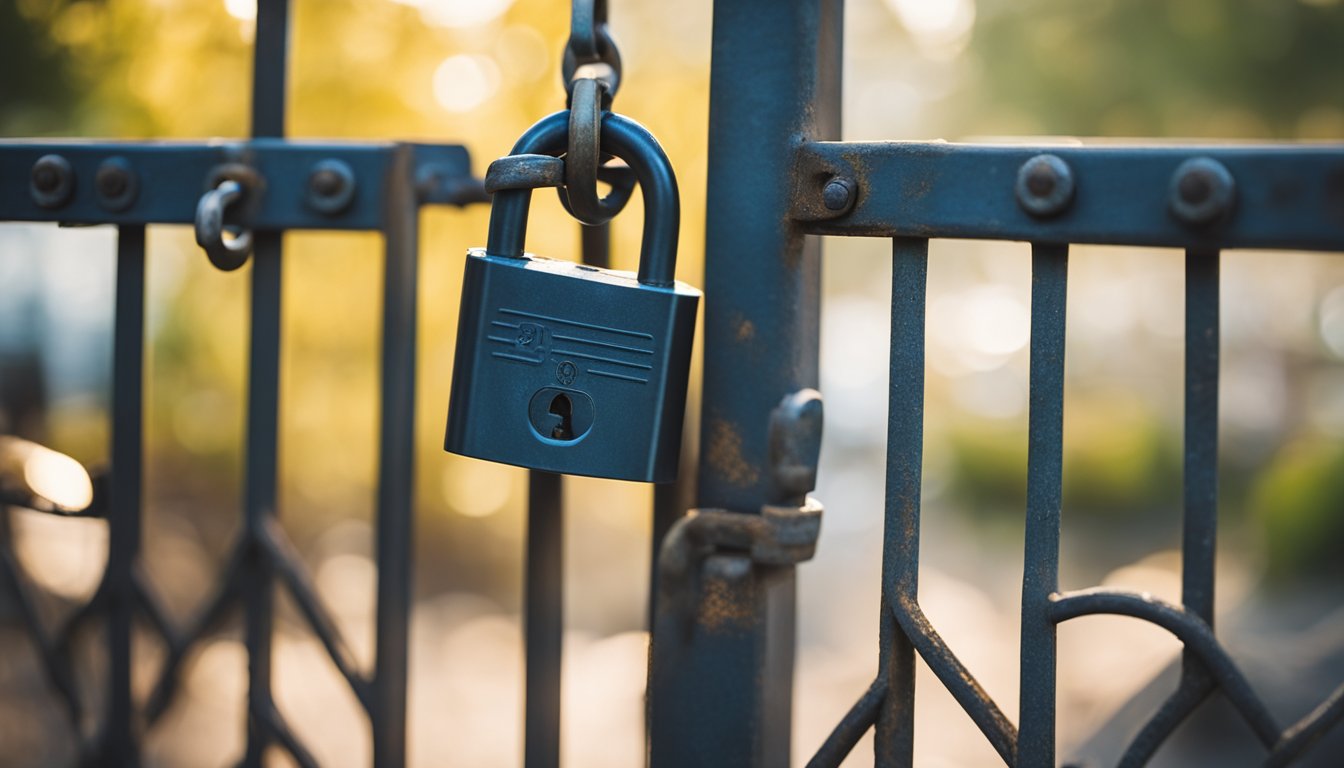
<point>479,72</point>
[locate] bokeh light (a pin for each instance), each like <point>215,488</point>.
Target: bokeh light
<point>465,81</point>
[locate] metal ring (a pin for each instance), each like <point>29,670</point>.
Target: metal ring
<point>583,155</point>
<point>226,255</point>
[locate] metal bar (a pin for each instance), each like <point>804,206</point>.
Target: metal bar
<point>1301,735</point>
<point>270,69</point>
<point>595,245</point>
<point>1199,537</point>
<point>121,744</point>
<point>1194,688</point>
<point>1045,454</point>
<point>1285,196</point>
<point>726,690</point>
<point>288,566</point>
<point>544,624</point>
<point>396,464</point>
<point>268,120</point>
<point>261,476</point>
<point>545,579</point>
<point>57,671</point>
<point>229,590</point>
<point>1189,629</point>
<point>957,679</point>
<point>172,175</point>
<point>895,731</point>
<point>1201,433</point>
<point>851,728</point>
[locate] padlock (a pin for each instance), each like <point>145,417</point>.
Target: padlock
<point>569,368</point>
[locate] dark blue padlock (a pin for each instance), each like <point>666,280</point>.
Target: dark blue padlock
<point>569,368</point>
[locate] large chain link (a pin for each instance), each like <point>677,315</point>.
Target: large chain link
<point>592,72</point>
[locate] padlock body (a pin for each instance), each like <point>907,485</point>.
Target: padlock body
<point>570,369</point>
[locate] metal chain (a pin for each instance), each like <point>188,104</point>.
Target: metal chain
<point>591,52</point>
<point>592,68</point>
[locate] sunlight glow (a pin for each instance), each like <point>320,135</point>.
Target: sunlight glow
<point>941,28</point>
<point>243,10</point>
<point>459,14</point>
<point>465,81</point>
<point>1332,321</point>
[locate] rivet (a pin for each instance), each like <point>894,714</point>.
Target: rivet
<point>1044,186</point>
<point>52,181</point>
<point>1202,191</point>
<point>838,195</point>
<point>331,186</point>
<point>116,184</point>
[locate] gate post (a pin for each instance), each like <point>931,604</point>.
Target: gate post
<point>721,685</point>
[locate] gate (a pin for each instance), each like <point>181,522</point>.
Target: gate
<point>723,601</point>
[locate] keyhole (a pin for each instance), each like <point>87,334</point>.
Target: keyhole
<point>562,407</point>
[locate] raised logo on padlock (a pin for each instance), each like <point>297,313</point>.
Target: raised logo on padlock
<point>568,368</point>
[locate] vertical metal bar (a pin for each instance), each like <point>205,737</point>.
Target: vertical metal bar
<point>544,588</point>
<point>726,690</point>
<point>595,245</point>
<point>121,744</point>
<point>269,72</point>
<point>544,622</point>
<point>396,463</point>
<point>1045,456</point>
<point>1201,432</point>
<point>894,736</point>
<point>1199,538</point>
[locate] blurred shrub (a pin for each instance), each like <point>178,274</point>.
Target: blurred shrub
<point>1119,462</point>
<point>1299,503</point>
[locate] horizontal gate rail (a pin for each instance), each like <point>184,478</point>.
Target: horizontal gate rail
<point>1280,196</point>
<point>169,178</point>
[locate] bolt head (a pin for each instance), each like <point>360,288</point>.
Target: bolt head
<point>45,178</point>
<point>116,184</point>
<point>51,181</point>
<point>111,181</point>
<point>838,194</point>
<point>325,183</point>
<point>1202,191</point>
<point>1044,186</point>
<point>331,186</point>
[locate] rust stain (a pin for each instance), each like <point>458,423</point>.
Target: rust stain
<point>723,607</point>
<point>746,330</point>
<point>725,454</point>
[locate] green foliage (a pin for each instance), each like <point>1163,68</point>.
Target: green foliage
<point>1299,502</point>
<point>1199,68</point>
<point>1119,462</point>
<point>37,88</point>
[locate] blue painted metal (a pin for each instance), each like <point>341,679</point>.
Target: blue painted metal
<point>895,734</point>
<point>569,368</point>
<point>722,693</point>
<point>1045,468</point>
<point>121,745</point>
<point>723,629</point>
<point>180,173</point>
<point>1287,196</point>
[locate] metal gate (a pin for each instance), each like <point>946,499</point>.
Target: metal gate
<point>723,613</point>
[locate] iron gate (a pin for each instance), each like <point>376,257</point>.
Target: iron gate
<point>720,681</point>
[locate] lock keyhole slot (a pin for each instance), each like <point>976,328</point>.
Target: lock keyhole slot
<point>560,416</point>
<point>564,409</point>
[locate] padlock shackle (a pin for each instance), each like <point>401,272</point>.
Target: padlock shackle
<point>627,140</point>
